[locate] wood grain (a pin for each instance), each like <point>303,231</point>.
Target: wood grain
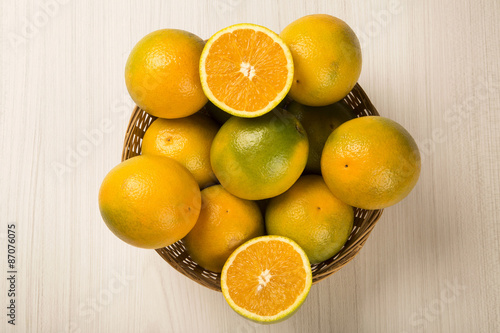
<point>430,265</point>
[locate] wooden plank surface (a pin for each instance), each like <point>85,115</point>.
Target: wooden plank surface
<point>432,262</point>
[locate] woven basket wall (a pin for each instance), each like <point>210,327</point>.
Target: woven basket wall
<point>176,254</point>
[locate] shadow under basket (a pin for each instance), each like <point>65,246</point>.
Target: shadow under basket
<point>176,254</point>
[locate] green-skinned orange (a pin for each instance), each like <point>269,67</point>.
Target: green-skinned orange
<point>319,122</point>
<point>259,158</point>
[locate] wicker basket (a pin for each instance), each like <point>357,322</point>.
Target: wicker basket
<point>176,254</point>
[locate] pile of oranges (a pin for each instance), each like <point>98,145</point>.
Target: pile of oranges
<point>254,162</point>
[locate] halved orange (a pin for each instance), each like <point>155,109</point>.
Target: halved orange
<point>266,279</point>
<point>246,70</point>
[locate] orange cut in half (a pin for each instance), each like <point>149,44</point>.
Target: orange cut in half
<point>246,70</point>
<point>266,279</point>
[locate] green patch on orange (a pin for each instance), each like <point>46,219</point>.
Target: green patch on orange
<point>259,158</point>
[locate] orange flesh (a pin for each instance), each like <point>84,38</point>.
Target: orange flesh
<point>246,69</point>
<point>282,277</point>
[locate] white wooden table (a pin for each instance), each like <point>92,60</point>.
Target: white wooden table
<point>432,262</point>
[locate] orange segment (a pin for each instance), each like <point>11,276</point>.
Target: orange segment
<point>267,278</point>
<point>246,70</point>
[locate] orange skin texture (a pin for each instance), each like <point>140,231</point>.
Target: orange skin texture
<point>149,201</point>
<point>162,75</point>
<point>327,59</point>
<point>225,222</point>
<point>186,140</point>
<point>370,162</point>
<point>312,216</point>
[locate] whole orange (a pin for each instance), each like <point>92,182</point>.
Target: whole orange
<point>370,162</point>
<point>312,216</point>
<point>162,74</point>
<point>225,222</point>
<point>149,201</point>
<point>259,158</point>
<point>327,59</point>
<point>186,140</point>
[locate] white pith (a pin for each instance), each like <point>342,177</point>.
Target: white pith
<point>247,70</point>
<point>264,279</point>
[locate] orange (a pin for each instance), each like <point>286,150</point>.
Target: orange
<point>162,74</point>
<point>319,122</point>
<point>370,162</point>
<point>327,59</point>
<point>149,201</point>
<point>186,140</point>
<point>225,222</point>
<point>266,279</point>
<point>309,214</point>
<point>259,158</point>
<point>246,70</point>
